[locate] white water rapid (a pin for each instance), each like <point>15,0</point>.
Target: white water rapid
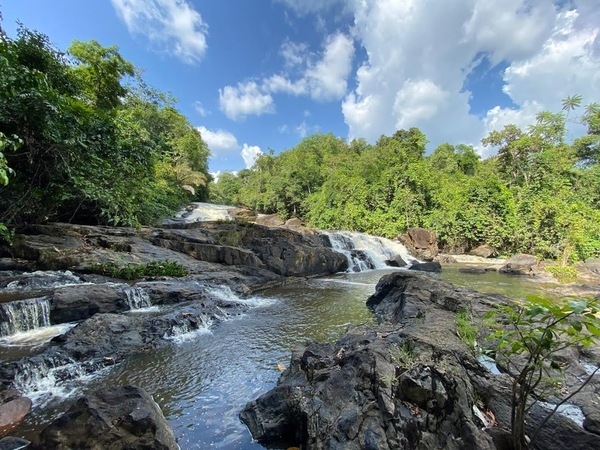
<point>366,252</point>
<point>137,298</point>
<point>24,315</point>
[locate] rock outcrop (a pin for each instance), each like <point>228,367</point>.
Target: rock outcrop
<point>521,264</point>
<point>421,243</point>
<point>409,383</point>
<point>124,418</point>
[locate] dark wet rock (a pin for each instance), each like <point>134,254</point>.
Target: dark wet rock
<point>592,422</point>
<point>433,266</point>
<point>12,413</point>
<point>521,264</point>
<point>13,443</point>
<point>365,262</point>
<point>123,418</point>
<point>408,383</point>
<point>483,251</point>
<point>421,243</point>
<point>76,303</point>
<point>405,384</point>
<point>396,261</point>
<point>473,270</point>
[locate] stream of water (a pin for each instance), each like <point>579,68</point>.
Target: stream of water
<point>203,380</point>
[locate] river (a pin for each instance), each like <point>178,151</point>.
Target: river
<point>202,380</point>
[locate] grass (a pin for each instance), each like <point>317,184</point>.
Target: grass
<point>467,330</point>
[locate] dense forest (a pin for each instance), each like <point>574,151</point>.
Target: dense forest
<point>539,194</point>
<point>84,139</point>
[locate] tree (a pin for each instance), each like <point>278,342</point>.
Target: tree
<point>99,71</point>
<point>526,338</point>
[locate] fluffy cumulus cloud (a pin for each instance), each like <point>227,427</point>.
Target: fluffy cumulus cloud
<point>219,141</point>
<point>245,99</point>
<point>250,153</point>
<point>223,145</point>
<point>172,26</point>
<point>420,53</point>
<point>323,77</point>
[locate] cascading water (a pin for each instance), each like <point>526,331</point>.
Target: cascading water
<point>24,315</point>
<point>137,298</point>
<point>365,252</point>
<point>44,280</point>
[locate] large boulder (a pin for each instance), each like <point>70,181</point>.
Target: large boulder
<point>421,243</point>
<point>483,251</point>
<point>270,220</point>
<point>123,418</point>
<point>410,383</point>
<point>433,266</point>
<point>521,264</point>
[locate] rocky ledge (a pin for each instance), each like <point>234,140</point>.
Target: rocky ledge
<point>408,383</point>
<point>112,418</point>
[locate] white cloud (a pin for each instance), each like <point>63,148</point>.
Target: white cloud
<point>250,154</point>
<point>280,84</point>
<point>420,53</point>
<point>245,99</point>
<point>173,26</point>
<point>323,77</point>
<point>327,77</point>
<point>294,53</point>
<point>200,109</point>
<point>219,141</point>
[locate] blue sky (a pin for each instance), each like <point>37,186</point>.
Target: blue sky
<point>262,74</point>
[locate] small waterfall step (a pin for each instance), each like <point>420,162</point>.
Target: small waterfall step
<point>24,315</point>
<point>137,298</point>
<point>366,252</point>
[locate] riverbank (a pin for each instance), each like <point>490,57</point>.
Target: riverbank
<point>225,263</point>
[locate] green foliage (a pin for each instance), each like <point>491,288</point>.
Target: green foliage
<point>467,330</point>
<point>525,339</point>
<point>537,195</point>
<point>91,149</point>
<point>134,272</point>
<point>98,72</point>
<point>564,274</point>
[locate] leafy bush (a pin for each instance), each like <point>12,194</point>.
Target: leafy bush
<point>133,272</point>
<point>564,274</point>
<point>525,338</point>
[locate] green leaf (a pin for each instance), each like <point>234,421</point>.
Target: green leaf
<point>577,306</point>
<point>592,329</point>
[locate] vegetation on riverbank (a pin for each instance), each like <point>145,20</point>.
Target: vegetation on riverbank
<point>83,139</point>
<point>539,194</point>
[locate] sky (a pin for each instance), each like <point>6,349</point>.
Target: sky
<point>260,75</point>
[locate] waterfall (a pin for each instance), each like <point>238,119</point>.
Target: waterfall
<point>365,252</point>
<point>187,331</point>
<point>137,298</point>
<point>42,380</point>
<point>24,315</point>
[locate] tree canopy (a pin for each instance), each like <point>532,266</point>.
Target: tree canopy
<point>83,139</point>
<point>538,194</point>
